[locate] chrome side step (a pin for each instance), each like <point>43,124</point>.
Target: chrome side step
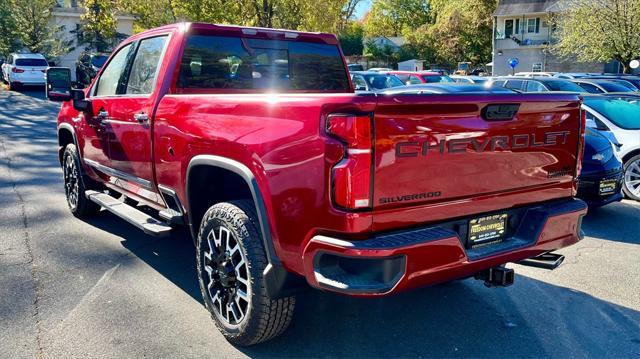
<point>130,214</point>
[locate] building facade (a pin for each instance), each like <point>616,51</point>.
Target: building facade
<point>522,30</point>
<point>67,14</point>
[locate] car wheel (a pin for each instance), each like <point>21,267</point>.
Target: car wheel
<point>631,183</point>
<point>231,260</point>
<point>74,185</point>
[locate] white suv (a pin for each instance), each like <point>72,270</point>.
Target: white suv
<point>24,69</point>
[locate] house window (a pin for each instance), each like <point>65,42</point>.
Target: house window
<point>537,67</point>
<point>533,25</point>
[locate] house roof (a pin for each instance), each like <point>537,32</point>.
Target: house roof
<point>520,7</point>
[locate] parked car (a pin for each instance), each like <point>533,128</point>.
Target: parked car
<point>445,88</point>
<point>442,72</point>
<point>571,75</point>
<point>355,67</point>
<point>631,82</point>
<point>535,74</point>
<point>380,69</point>
<point>87,66</point>
<point>619,116</point>
<point>373,81</point>
<point>24,69</point>
<point>255,141</point>
<point>600,86</point>
<point>535,84</point>
<point>600,180</point>
<point>470,79</point>
<point>422,77</point>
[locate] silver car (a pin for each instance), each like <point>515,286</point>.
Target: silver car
<point>618,118</point>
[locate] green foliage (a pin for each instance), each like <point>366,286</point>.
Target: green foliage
<point>98,28</point>
<point>7,28</point>
<point>599,30</point>
<point>35,30</point>
<point>351,39</point>
<point>440,31</point>
<point>395,17</point>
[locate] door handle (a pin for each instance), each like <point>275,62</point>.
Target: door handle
<point>141,117</point>
<point>103,115</point>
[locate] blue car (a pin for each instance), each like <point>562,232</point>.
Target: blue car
<point>600,181</point>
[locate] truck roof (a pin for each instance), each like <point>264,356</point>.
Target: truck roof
<point>246,31</point>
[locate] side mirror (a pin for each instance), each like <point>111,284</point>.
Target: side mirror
<point>79,102</point>
<point>58,84</point>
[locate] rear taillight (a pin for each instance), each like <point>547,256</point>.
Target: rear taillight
<point>351,178</point>
<point>17,70</point>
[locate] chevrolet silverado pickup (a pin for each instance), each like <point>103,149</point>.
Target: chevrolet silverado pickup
<point>256,141</point>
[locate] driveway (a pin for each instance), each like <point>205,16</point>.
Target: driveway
<point>100,288</point>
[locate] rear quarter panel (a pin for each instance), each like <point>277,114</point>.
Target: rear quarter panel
<point>280,139</point>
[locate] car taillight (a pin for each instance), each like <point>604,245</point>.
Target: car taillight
<point>17,70</point>
<point>351,178</point>
<point>583,128</point>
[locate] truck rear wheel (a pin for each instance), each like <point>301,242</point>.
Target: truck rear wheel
<point>231,261</point>
<point>631,183</point>
<point>74,185</point>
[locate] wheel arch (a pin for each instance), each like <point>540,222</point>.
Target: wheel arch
<point>279,281</point>
<point>630,155</point>
<point>66,135</point>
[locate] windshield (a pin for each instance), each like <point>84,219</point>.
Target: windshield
<point>559,85</point>
<point>624,112</point>
<point>32,62</point>
<point>379,82</point>
<point>437,78</point>
<point>99,60</point>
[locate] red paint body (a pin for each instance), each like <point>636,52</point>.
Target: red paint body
<point>281,139</point>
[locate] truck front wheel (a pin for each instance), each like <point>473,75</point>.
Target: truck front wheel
<point>231,260</point>
<point>74,185</point>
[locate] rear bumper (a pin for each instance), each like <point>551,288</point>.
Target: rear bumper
<point>402,260</point>
<point>589,187</point>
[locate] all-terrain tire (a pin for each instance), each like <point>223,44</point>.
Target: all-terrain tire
<point>75,185</point>
<point>264,318</point>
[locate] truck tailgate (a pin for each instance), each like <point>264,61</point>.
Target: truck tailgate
<point>433,150</point>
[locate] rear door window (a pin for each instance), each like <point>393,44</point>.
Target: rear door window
<point>535,86</point>
<point>590,88</point>
<point>414,80</point>
<point>220,64</point>
<point>145,66</point>
<point>514,84</point>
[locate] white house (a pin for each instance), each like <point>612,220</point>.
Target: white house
<point>393,42</point>
<point>67,13</point>
<point>522,31</point>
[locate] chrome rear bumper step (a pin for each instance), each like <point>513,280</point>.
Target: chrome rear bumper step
<point>130,214</point>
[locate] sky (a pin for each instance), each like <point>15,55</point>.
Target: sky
<point>362,9</point>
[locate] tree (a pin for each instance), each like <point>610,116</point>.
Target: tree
<point>7,28</point>
<point>149,13</point>
<point>394,17</point>
<point>98,26</point>
<point>351,39</point>
<point>462,31</point>
<point>35,29</point>
<point>602,30</point>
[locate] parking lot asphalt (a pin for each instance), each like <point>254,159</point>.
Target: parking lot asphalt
<point>100,288</point>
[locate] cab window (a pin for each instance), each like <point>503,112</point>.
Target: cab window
<point>414,80</point>
<point>111,77</point>
<point>145,66</point>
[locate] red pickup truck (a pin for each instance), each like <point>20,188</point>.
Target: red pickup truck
<point>255,140</point>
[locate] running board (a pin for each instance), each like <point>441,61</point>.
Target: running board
<point>139,219</point>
